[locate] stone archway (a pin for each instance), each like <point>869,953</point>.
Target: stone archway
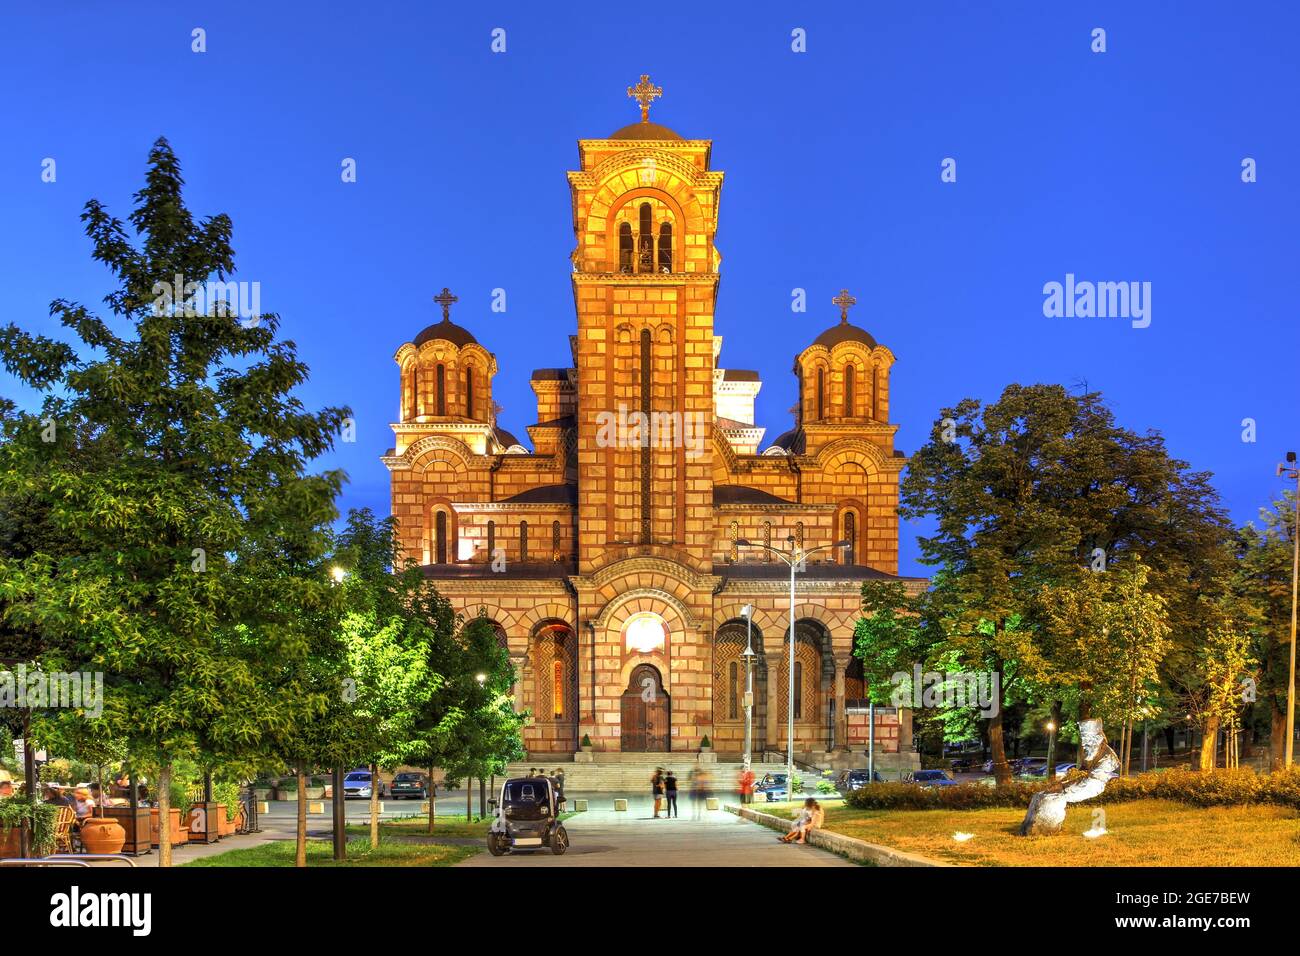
<point>645,712</point>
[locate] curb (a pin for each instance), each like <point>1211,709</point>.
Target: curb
<point>854,849</point>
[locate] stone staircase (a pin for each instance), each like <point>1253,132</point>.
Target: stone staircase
<point>631,773</point>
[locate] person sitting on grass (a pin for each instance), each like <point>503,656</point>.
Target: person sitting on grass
<point>809,818</point>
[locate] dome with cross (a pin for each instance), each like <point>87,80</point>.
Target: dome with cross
<point>845,331</point>
<point>446,330</point>
<point>646,93</point>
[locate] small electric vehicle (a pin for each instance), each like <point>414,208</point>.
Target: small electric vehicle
<point>527,817</point>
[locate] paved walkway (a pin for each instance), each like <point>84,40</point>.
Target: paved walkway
<point>604,837</point>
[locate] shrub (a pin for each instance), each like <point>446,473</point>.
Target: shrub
<point>825,786</point>
<point>1202,788</point>
<point>586,740</point>
<point>704,744</point>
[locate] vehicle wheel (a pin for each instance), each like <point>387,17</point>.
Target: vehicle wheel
<point>496,844</point>
<point>559,841</point>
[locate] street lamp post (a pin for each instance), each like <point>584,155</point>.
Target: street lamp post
<point>748,613</point>
<point>794,557</point>
<point>1050,770</point>
<point>1290,470</point>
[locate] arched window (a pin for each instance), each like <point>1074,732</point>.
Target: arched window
<point>733,688</point>
<point>555,541</point>
<point>523,541</point>
<point>734,533</point>
<point>417,400</point>
<point>798,690</point>
<point>851,536</point>
<point>666,247</point>
<point>625,247</point>
<point>875,393</point>
<point>821,394</point>
<point>440,538</point>
<point>645,437</point>
<point>646,240</point>
<point>849,373</point>
<point>442,390</point>
<point>557,689</point>
<point>492,540</point>
<point>469,391</point>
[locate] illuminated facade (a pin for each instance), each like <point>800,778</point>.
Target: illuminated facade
<point>610,555</point>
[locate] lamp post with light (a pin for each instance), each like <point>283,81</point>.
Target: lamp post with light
<point>747,612</point>
<point>1049,771</point>
<point>1290,470</point>
<point>796,557</point>
<point>338,807</point>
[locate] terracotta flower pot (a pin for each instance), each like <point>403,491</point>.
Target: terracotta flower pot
<point>102,835</point>
<point>179,835</point>
<point>10,842</point>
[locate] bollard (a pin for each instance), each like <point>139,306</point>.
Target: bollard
<point>620,804</point>
<point>580,806</point>
<point>315,806</point>
<point>711,803</point>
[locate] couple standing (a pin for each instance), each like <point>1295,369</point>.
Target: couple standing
<point>663,786</point>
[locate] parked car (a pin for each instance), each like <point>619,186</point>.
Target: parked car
<point>773,787</point>
<point>933,778</point>
<point>856,779</point>
<point>1032,767</point>
<point>357,784</point>
<point>408,784</point>
<point>1063,768</point>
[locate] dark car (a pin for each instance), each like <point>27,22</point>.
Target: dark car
<point>357,784</point>
<point>856,779</point>
<point>410,785</point>
<point>933,778</point>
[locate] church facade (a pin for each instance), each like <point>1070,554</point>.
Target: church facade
<point>617,556</point>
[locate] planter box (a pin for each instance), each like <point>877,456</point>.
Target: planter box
<point>261,794</point>
<point>138,832</point>
<point>179,835</point>
<point>711,803</point>
<point>315,793</point>
<point>620,804</point>
<point>204,822</point>
<point>286,794</point>
<point>10,842</point>
<point>580,806</point>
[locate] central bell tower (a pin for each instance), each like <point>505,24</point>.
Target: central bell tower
<point>645,280</point>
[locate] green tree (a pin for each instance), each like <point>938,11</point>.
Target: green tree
<point>1029,489</point>
<point>1263,582</point>
<point>186,556</point>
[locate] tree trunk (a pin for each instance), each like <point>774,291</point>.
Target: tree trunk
<point>1276,737</point>
<point>300,844</point>
<point>165,814</point>
<point>1051,740</point>
<point>1001,769</point>
<point>374,806</point>
<point>1210,743</point>
<point>1171,740</point>
<point>469,798</point>
<point>433,799</point>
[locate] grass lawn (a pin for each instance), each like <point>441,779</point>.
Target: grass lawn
<point>321,853</point>
<point>445,825</point>
<point>1139,833</point>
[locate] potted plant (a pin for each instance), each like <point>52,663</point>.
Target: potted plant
<point>287,789</point>
<point>315,788</point>
<point>706,745</point>
<point>586,744</point>
<point>16,811</point>
<point>102,835</point>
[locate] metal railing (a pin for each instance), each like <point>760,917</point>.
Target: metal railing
<point>68,859</point>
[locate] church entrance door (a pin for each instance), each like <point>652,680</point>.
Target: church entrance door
<point>645,712</point>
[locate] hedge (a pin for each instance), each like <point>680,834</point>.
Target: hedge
<point>1207,788</point>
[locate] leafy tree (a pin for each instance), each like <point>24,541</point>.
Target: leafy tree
<point>186,552</point>
<point>1031,488</point>
<point>1263,582</point>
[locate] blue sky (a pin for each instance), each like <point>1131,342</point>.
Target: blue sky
<point>1119,166</point>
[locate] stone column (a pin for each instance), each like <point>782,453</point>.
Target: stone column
<point>841,741</point>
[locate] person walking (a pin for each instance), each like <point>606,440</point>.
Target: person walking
<point>670,789</point>
<point>657,789</point>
